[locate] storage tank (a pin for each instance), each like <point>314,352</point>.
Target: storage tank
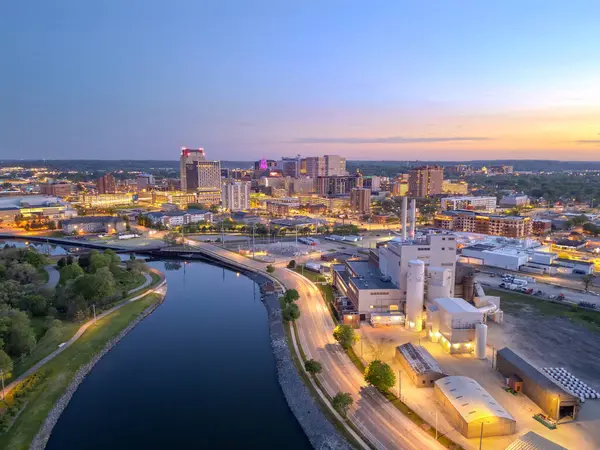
<point>480,340</point>
<point>415,290</point>
<point>413,217</point>
<point>404,216</point>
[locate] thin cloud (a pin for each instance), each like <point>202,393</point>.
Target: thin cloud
<point>588,141</point>
<point>385,140</point>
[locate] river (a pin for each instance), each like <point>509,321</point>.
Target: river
<point>197,373</point>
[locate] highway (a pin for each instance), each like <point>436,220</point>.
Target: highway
<point>384,426</point>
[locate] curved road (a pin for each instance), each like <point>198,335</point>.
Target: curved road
<point>379,421</point>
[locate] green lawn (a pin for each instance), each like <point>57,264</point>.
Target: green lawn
<point>312,276</point>
<point>127,280</point>
<point>62,369</point>
<point>514,303</point>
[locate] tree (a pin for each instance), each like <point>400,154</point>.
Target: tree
<point>345,335</point>
<point>587,280</point>
<point>10,291</point>
<point>24,273</point>
<point>36,304</point>
<point>290,296</point>
<point>380,375</point>
<point>342,402</point>
<point>19,338</point>
<point>34,258</point>
<point>292,264</point>
<point>171,238</point>
<point>270,268</point>
<point>70,272</point>
<point>6,364</point>
<point>290,312</point>
<point>313,367</point>
<point>62,262</point>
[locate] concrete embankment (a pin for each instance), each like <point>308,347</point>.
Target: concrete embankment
<point>41,439</point>
<point>319,430</point>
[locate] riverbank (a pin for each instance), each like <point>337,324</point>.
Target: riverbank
<point>41,438</point>
<point>320,431</point>
<point>66,370</point>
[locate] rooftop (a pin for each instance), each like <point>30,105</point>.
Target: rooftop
<point>470,399</point>
<point>419,359</point>
<point>533,441</point>
<point>527,369</point>
<point>92,219</point>
<point>368,276</point>
<point>455,305</point>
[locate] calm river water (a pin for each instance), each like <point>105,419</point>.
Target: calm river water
<point>197,373</point>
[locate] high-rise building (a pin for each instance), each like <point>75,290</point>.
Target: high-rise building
<point>188,170</point>
<point>106,184</point>
<point>360,200</point>
<point>337,185</point>
<point>315,166</point>
<point>235,195</point>
<point>425,181</point>
<point>265,164</point>
<point>469,203</point>
<point>335,165</point>
<point>290,167</point>
<point>209,175</point>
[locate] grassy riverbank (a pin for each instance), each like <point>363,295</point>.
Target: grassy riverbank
<point>60,371</point>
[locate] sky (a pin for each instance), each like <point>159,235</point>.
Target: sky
<point>247,79</point>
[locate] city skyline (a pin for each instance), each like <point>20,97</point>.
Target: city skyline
<point>399,82</point>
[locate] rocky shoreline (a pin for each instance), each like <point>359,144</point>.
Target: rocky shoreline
<point>41,438</point>
<point>320,431</point>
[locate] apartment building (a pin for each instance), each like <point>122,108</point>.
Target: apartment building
<point>425,181</point>
<point>496,225</point>
<point>337,185</point>
<point>487,204</point>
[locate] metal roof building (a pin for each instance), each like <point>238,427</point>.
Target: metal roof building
<point>468,406</point>
<point>533,441</point>
<point>418,363</point>
<point>555,401</point>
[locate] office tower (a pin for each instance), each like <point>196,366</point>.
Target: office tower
<point>425,181</point>
<point>335,165</point>
<point>235,195</point>
<point>290,167</point>
<point>315,166</point>
<point>188,170</point>
<point>265,164</point>
<point>209,175</point>
<point>106,184</point>
<point>360,200</point>
<point>337,185</point>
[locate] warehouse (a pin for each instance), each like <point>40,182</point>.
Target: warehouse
<point>533,441</point>
<point>418,363</point>
<point>556,402</point>
<point>471,409</point>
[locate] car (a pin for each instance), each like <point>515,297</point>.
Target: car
<point>503,285</point>
<point>492,275</point>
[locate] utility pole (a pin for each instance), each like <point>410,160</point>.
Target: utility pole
<point>253,226</point>
<point>222,234</point>
<point>481,437</point>
<point>436,425</point>
<point>399,385</point>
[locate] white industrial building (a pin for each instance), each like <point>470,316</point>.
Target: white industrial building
<point>472,203</point>
<point>504,253</point>
<point>457,325</point>
<point>471,409</point>
<point>366,288</point>
<point>435,251</point>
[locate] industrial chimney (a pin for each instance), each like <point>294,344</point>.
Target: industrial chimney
<point>404,216</point>
<point>413,218</point>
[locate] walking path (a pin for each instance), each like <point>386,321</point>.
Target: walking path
<point>82,330</point>
<point>53,277</point>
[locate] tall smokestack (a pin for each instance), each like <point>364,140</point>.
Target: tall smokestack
<point>415,288</point>
<point>404,215</point>
<point>413,217</point>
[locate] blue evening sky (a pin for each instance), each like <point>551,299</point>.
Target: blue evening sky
<point>438,79</point>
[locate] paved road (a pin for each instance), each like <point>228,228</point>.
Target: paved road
<point>379,421</point>
<point>53,276</point>
<point>161,289</point>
